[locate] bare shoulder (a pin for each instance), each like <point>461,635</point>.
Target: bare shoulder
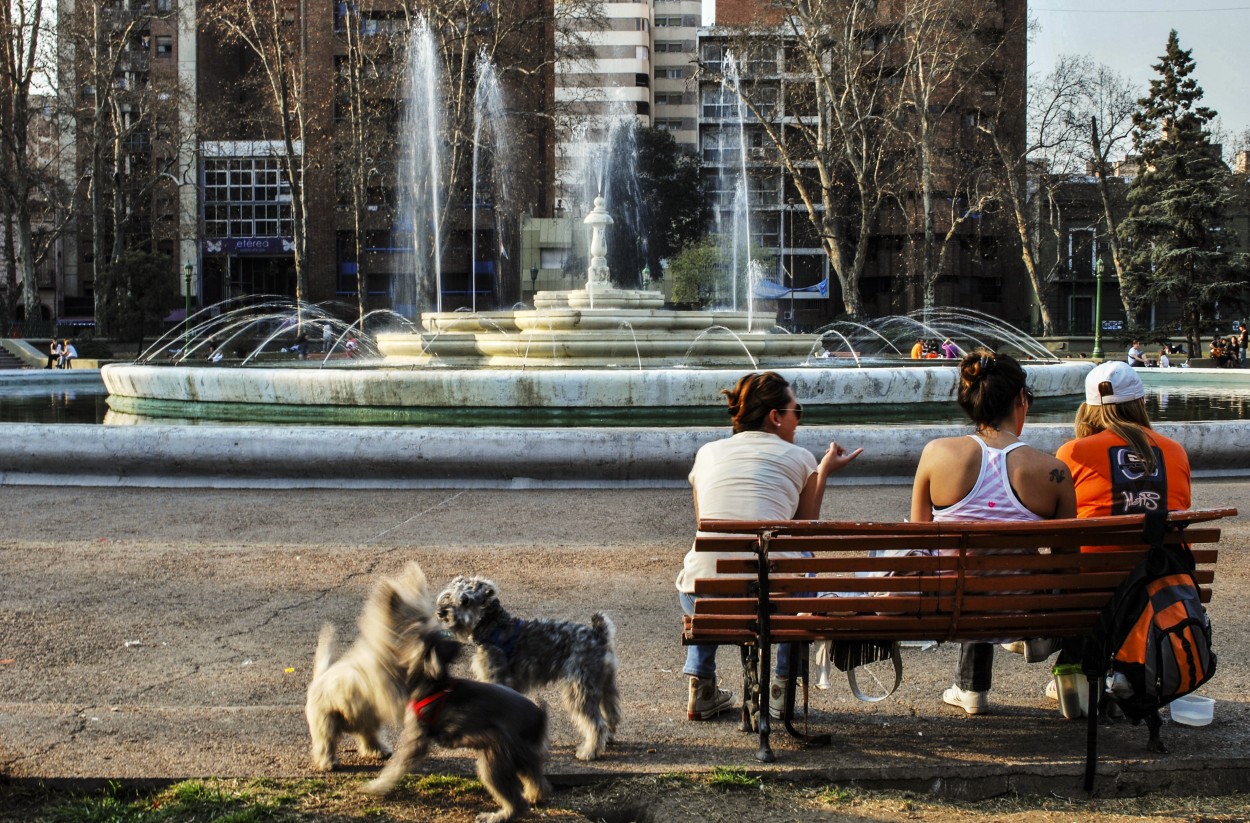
<point>1042,464</point>
<point>944,447</point>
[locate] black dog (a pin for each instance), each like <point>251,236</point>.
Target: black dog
<point>508,731</point>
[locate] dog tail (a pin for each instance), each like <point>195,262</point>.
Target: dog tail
<point>604,628</point>
<point>324,655</point>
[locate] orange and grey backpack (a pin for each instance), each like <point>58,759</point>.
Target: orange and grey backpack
<point>1153,640</point>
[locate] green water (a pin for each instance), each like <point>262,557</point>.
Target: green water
<point>88,406</point>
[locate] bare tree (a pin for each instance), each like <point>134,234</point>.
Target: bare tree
<point>24,30</point>
<point>128,122</point>
<point>950,47</point>
<point>1054,133</point>
<point>836,141</point>
<point>368,77</point>
<point>1110,99</point>
<point>276,38</point>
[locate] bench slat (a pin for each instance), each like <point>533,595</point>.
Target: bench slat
<point>1121,560</point>
<point>829,527</point>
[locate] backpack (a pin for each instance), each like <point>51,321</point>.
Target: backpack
<point>1153,640</point>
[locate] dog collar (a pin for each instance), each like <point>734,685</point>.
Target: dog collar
<point>506,644</point>
<point>427,709</point>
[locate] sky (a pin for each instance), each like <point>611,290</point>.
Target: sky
<point>1130,35</point>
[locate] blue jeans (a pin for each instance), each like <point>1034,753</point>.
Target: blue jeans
<point>701,659</point>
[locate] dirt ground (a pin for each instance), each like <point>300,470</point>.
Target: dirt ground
<point>158,635</point>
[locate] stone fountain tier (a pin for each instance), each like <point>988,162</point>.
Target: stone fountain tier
<point>458,389</point>
<point>628,328</point>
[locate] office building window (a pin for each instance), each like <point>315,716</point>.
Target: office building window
<point>164,46</point>
<point>246,197</point>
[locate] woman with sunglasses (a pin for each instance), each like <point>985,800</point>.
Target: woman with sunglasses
<point>988,475</point>
<point>757,474</point>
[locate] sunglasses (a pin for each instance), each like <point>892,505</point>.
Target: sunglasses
<point>798,411</point>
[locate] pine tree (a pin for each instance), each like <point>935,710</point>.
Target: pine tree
<point>1179,249</point>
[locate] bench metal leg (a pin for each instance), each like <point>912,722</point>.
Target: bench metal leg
<point>750,689</point>
<point>765,752</point>
<point>1091,733</point>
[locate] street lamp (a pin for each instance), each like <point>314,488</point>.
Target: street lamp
<point>187,271</point>
<point>534,279</point>
<point>1097,352</point>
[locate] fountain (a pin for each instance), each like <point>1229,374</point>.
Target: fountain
<point>597,349</point>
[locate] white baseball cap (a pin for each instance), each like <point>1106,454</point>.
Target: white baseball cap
<point>1124,384</point>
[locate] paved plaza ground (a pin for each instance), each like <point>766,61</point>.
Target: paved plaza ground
<point>150,634</point>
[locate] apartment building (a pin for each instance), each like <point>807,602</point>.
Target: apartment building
<point>207,172</point>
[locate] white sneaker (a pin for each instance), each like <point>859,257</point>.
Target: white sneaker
<point>1052,690</point>
<point>970,702</point>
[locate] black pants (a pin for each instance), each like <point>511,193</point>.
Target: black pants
<point>976,667</point>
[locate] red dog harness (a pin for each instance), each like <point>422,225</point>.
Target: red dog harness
<point>428,709</point>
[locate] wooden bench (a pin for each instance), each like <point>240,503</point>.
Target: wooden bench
<point>959,593</point>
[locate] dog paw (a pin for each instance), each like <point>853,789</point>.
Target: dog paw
<point>494,817</point>
<point>1156,747</point>
<point>588,751</point>
<point>378,787</point>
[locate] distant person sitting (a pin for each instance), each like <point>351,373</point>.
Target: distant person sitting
<point>917,349</point>
<point>54,354</point>
<point>1136,357</point>
<point>1164,362</point>
<point>68,353</point>
<point>1219,353</point>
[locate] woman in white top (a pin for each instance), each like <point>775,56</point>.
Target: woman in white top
<point>989,475</point>
<point>757,474</point>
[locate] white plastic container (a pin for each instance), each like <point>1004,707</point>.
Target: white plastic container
<point>1193,710</point>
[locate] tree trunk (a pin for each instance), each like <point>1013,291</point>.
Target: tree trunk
<point>10,271</point>
<point>1113,236</point>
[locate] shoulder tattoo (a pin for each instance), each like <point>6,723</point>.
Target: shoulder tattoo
<point>1058,475</point>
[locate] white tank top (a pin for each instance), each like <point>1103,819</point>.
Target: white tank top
<point>992,497</point>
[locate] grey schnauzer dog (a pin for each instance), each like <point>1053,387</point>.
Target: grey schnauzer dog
<point>527,654</point>
<point>366,688</point>
<point>508,731</point>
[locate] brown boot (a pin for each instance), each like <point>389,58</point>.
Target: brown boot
<point>706,700</point>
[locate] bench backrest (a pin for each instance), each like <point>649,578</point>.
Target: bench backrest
<point>984,581</point>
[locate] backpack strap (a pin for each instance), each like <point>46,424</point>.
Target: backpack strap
<point>1154,527</point>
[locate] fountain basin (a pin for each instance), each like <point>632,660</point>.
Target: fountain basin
<point>369,457</point>
<point>559,390</point>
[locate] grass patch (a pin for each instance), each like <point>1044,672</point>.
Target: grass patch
<point>732,777</point>
<point>834,796</point>
<point>674,779</point>
<point>445,787</point>
<point>186,802</point>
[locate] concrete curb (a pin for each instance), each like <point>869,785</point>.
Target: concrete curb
<point>379,457</point>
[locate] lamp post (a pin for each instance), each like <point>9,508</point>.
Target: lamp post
<point>187,271</point>
<point>1097,352</point>
<point>533,281</point>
